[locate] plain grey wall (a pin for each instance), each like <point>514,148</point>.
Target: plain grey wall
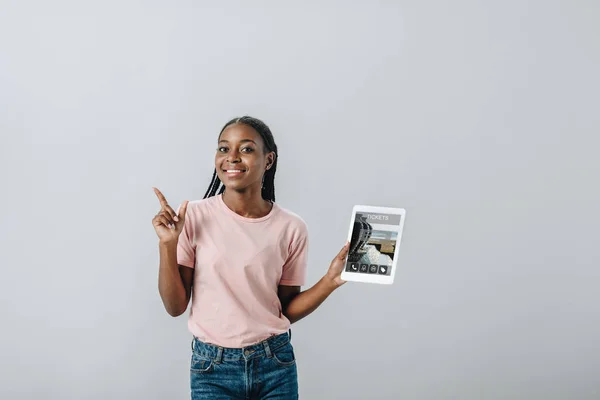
<point>481,119</point>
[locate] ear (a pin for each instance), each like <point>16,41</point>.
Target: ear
<point>270,160</point>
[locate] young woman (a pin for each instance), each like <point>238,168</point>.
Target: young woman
<point>241,258</point>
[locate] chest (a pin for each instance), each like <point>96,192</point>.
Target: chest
<point>241,250</point>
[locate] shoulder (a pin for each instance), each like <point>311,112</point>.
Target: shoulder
<point>293,221</point>
<point>198,209</point>
<point>201,204</point>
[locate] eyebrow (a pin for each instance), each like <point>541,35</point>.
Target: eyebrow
<point>241,141</point>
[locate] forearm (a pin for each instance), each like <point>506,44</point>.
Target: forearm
<point>170,284</point>
<point>309,300</point>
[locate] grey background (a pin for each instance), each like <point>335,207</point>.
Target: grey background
<point>480,118</point>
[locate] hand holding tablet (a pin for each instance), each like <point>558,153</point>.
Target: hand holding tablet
<point>374,236</point>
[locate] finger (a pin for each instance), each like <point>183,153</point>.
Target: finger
<point>344,252</point>
<point>158,220</point>
<point>165,221</point>
<point>166,215</point>
<point>172,213</point>
<point>161,197</point>
<point>183,210</point>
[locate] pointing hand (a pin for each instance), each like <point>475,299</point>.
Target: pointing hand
<point>167,223</point>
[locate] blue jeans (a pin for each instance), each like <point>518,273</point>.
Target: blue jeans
<point>266,370</point>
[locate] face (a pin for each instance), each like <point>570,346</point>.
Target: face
<point>241,158</point>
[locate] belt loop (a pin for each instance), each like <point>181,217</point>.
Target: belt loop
<point>267,349</point>
<point>219,357</point>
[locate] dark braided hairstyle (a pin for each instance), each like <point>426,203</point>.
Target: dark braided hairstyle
<point>268,187</point>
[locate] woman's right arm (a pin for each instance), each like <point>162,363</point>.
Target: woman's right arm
<point>174,281</point>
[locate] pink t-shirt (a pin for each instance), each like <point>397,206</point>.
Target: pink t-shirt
<point>239,263</point>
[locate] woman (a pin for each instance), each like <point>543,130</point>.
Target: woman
<point>244,259</point>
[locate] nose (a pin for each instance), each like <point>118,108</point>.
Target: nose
<point>233,157</point>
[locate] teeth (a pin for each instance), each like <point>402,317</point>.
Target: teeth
<point>234,170</point>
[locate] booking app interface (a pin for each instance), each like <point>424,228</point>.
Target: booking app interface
<point>373,243</point>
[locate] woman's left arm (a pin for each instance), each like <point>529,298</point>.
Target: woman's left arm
<point>297,305</point>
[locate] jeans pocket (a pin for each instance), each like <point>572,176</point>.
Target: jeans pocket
<point>200,364</point>
<point>284,356</point>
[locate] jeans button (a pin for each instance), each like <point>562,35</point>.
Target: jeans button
<point>247,352</point>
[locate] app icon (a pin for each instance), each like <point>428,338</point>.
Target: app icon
<point>383,269</point>
<point>364,268</point>
<point>373,269</point>
<point>352,267</point>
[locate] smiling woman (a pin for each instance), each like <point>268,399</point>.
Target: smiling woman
<point>241,258</point>
<point>246,149</point>
<point>243,157</point>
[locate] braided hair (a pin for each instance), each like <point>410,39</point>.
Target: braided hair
<point>268,186</point>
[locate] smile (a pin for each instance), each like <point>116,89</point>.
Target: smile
<point>234,173</point>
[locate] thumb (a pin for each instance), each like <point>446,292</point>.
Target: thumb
<point>182,210</point>
<point>344,252</point>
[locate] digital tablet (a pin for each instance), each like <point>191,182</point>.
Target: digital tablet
<point>374,237</point>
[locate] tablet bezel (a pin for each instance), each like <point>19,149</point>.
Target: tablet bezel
<point>372,278</point>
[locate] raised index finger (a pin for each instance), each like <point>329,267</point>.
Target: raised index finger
<point>161,198</point>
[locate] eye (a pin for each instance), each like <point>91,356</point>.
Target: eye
<point>222,149</point>
<point>247,149</point>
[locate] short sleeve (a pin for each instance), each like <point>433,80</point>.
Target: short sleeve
<point>294,268</point>
<point>186,245</point>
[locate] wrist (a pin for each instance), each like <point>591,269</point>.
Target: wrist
<point>167,243</point>
<point>330,282</point>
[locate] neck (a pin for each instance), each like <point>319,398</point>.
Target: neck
<point>248,203</point>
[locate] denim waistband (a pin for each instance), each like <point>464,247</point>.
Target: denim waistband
<point>261,349</point>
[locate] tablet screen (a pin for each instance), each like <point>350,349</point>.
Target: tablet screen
<point>373,243</point>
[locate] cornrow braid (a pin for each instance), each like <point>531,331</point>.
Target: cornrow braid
<point>268,187</point>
